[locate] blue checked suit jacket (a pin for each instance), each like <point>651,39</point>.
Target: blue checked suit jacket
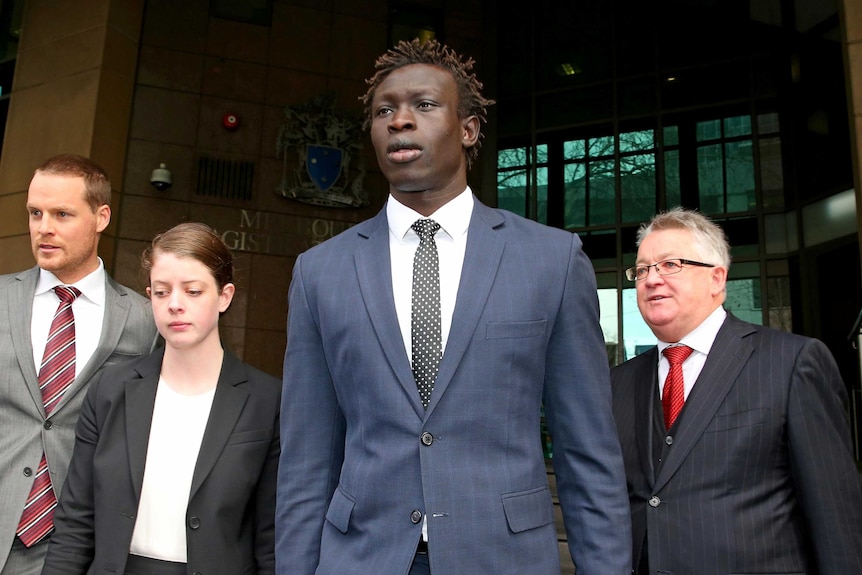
<point>363,464</point>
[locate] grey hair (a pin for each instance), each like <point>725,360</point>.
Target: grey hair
<point>708,235</point>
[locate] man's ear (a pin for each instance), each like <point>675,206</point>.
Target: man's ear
<point>103,217</point>
<point>718,275</point>
<point>470,131</point>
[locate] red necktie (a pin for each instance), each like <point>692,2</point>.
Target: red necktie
<point>673,394</point>
<point>55,375</point>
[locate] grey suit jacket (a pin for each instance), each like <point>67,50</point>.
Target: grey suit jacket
<point>128,331</point>
<point>231,508</point>
<point>363,463</point>
<point>757,474</point>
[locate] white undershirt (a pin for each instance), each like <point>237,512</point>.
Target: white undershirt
<point>700,340</point>
<point>88,308</point>
<point>179,422</point>
<point>451,240</point>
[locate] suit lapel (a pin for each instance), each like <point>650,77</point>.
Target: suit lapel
<point>727,357</point>
<point>229,400</point>
<point>117,307</point>
<point>481,261</point>
<point>645,398</point>
<point>140,400</point>
<point>375,283</point>
<point>21,306</point>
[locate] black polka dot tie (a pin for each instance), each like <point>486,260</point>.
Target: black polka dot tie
<point>425,314</point>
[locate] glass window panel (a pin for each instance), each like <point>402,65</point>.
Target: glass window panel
<point>771,173</point>
<point>737,126</point>
<point>708,130</point>
<point>575,215</point>
<point>638,187</point>
<point>637,336</point>
<point>512,191</point>
<point>511,157</point>
<point>780,314</point>
<point>743,299</point>
<point>542,195</point>
<point>601,147</point>
<point>741,196</point>
<point>542,154</point>
<point>637,141</point>
<point>602,193</point>
<point>671,136</point>
<point>767,123</point>
<point>574,150</point>
<point>608,321</point>
<point>673,192</point>
<point>710,179</point>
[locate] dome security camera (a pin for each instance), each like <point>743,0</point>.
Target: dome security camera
<point>161,178</point>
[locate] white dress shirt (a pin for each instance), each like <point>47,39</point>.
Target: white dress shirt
<point>700,340</point>
<point>88,308</point>
<point>451,240</point>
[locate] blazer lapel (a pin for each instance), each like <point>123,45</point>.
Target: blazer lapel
<point>727,357</point>
<point>117,309</point>
<point>374,274</point>
<point>646,398</point>
<point>140,398</point>
<point>21,306</point>
<point>481,261</point>
<point>229,400</point>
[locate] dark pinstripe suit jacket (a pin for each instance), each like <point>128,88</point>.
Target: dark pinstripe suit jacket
<point>757,474</point>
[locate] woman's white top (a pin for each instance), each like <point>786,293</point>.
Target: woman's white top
<point>179,422</point>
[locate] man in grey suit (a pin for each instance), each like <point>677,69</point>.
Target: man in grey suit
<point>739,457</point>
<point>389,468</point>
<point>68,203</point>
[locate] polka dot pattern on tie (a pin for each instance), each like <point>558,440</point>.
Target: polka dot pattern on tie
<point>425,315</point>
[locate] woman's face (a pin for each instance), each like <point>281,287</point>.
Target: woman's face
<point>186,300</point>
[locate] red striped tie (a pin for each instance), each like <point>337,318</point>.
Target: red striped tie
<point>55,375</point>
<point>673,394</point>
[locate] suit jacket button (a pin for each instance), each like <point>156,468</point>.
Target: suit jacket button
<point>194,522</point>
<point>427,438</point>
<point>669,439</point>
<point>28,472</point>
<point>416,516</point>
<point>47,424</point>
<point>654,501</point>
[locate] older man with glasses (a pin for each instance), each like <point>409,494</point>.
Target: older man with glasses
<point>735,436</point>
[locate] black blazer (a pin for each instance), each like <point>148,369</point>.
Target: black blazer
<point>230,515</point>
<point>757,475</point>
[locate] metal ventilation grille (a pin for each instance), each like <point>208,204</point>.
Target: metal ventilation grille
<point>226,179</point>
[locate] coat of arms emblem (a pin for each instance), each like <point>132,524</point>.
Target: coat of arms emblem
<point>321,154</point>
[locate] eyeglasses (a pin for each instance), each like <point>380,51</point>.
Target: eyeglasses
<point>662,268</point>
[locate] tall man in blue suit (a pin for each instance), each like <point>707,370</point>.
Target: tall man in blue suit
<point>750,469</point>
<point>379,476</point>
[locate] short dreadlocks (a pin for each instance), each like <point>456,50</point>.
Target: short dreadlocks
<point>470,99</point>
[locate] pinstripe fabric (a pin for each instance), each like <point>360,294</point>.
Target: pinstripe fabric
<point>758,476</point>
<point>55,376</point>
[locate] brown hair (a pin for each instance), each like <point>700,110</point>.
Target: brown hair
<point>470,99</point>
<point>97,187</point>
<point>196,241</point>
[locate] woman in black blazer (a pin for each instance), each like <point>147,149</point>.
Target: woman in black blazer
<point>174,469</point>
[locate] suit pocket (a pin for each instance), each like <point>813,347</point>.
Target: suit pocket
<point>340,510</point>
<point>528,509</point>
<point>250,436</point>
<point>515,329</point>
<point>735,420</point>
